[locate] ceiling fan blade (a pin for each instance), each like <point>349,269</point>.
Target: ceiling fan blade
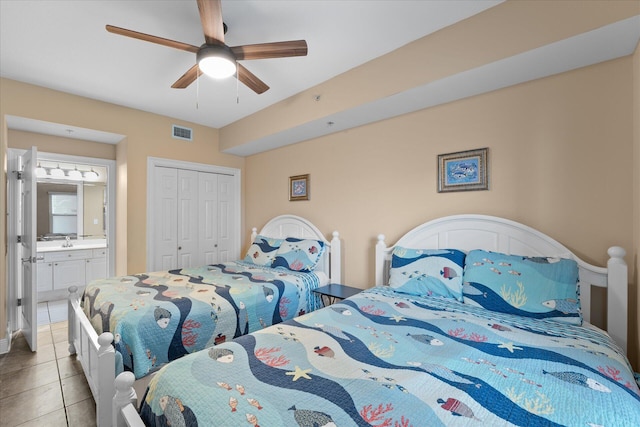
<point>251,81</point>
<point>211,18</point>
<point>187,78</point>
<point>271,50</point>
<point>153,39</point>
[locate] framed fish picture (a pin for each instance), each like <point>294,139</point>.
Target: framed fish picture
<point>299,187</point>
<point>463,171</point>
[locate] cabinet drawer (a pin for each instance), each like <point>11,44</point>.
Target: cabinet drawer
<point>67,255</point>
<point>99,253</point>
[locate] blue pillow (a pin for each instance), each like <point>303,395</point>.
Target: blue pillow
<point>298,254</point>
<point>431,272</point>
<point>263,250</point>
<point>538,287</point>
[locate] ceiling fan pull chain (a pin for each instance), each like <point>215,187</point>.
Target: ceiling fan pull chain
<point>237,85</point>
<point>198,89</point>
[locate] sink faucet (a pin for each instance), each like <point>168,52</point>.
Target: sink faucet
<point>67,244</point>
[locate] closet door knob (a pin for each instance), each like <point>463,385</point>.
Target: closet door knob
<point>179,248</point>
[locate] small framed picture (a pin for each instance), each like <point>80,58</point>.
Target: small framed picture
<point>299,187</point>
<point>463,171</point>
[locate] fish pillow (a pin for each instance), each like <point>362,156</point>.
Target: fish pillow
<point>430,272</point>
<point>263,250</point>
<point>538,287</point>
<point>298,254</point>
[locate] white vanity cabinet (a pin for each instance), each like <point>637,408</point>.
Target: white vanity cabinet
<point>57,270</point>
<point>44,275</point>
<point>96,266</point>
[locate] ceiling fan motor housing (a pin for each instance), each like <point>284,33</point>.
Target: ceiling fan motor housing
<point>219,50</point>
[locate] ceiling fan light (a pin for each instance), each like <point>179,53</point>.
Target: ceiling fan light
<point>216,61</point>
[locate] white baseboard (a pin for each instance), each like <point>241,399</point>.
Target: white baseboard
<point>4,344</point>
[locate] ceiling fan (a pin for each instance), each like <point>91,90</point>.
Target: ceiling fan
<point>214,57</point>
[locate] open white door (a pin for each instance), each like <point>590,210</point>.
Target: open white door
<point>29,302</point>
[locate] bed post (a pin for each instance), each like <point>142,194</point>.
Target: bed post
<point>71,328</point>
<point>334,261</point>
<point>125,395</point>
<point>381,248</point>
<point>617,296</point>
<point>254,233</point>
<point>103,380</point>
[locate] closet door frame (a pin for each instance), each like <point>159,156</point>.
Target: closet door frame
<point>152,162</point>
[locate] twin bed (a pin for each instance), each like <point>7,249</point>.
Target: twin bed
<point>457,331</point>
<point>140,322</point>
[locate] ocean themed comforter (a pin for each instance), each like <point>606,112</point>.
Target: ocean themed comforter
<point>161,316</point>
<point>383,359</point>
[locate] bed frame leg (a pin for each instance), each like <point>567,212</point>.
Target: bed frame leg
<point>71,329</point>
<point>125,395</point>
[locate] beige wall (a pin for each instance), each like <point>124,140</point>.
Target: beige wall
<point>93,210</point>
<point>497,33</point>
<point>634,294</point>
<point>61,145</point>
<point>560,158</point>
<point>561,149</point>
<point>146,135</point>
<point>3,225</point>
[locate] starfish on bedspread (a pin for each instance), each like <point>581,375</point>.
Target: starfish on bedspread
<point>509,346</point>
<point>298,373</point>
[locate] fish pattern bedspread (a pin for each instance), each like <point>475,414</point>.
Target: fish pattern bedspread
<point>383,359</point>
<point>158,317</point>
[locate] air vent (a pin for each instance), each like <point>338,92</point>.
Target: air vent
<point>183,133</point>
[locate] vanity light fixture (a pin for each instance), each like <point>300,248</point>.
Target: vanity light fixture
<point>91,175</point>
<point>40,171</point>
<point>74,173</point>
<point>56,172</point>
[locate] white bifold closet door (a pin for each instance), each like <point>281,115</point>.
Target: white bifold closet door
<point>194,212</point>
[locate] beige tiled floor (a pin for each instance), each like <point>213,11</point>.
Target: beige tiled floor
<point>46,387</point>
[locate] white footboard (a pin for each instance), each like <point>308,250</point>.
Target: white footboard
<point>125,402</point>
<point>97,356</point>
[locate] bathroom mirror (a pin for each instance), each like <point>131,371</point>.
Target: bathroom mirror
<point>73,209</point>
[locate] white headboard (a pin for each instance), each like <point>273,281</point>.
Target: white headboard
<point>466,232</point>
<point>284,226</point>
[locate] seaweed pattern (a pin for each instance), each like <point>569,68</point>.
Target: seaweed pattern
<point>516,298</point>
<point>537,405</point>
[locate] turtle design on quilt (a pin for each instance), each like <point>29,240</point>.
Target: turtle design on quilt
<point>222,355</point>
<point>309,418</point>
<point>177,414</point>
<point>162,316</point>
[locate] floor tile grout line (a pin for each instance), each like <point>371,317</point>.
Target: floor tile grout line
<point>55,351</point>
<point>64,407</point>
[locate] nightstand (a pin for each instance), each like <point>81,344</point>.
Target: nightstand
<point>335,292</point>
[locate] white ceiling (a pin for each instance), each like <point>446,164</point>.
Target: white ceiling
<point>63,45</point>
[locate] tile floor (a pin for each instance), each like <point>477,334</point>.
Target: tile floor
<point>46,387</point>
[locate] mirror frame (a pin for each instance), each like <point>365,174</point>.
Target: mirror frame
<point>111,210</point>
